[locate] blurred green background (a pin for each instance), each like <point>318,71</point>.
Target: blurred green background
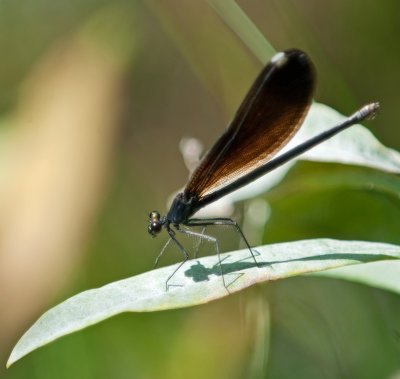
<point>94,99</point>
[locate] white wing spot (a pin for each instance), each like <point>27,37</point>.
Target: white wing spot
<point>279,59</point>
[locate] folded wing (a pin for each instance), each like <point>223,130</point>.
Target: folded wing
<point>270,115</point>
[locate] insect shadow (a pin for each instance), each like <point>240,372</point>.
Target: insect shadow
<point>200,273</point>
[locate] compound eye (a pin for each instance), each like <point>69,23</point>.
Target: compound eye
<point>154,228</point>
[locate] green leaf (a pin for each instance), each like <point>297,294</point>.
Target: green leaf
<point>383,275</point>
<point>356,145</point>
<point>197,282</point>
<point>320,177</point>
<point>336,201</point>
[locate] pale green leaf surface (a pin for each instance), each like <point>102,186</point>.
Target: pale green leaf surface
<point>383,275</point>
<point>197,282</point>
<point>356,145</point>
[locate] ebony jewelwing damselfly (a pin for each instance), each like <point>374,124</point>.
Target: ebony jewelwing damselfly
<point>270,115</point>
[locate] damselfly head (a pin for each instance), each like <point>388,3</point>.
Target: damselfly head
<point>155,223</point>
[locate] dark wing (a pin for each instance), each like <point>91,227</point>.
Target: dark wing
<point>268,118</point>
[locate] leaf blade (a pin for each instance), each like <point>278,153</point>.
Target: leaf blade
<point>200,284</point>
